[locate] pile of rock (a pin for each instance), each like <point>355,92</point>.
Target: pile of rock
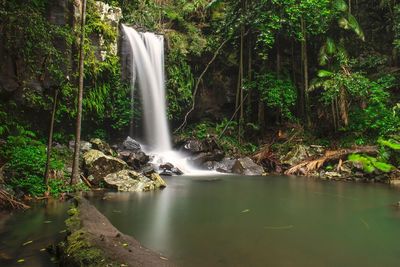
<point>124,169</point>
<point>206,154</point>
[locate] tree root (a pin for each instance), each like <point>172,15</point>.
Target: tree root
<point>308,166</point>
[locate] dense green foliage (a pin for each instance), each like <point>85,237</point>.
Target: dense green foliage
<point>327,67</point>
<point>26,159</point>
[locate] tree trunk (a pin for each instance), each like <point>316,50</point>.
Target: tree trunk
<point>304,56</point>
<point>50,140</point>
<point>75,164</point>
<point>343,106</point>
<point>241,118</point>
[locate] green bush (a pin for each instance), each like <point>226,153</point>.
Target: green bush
<point>25,167</point>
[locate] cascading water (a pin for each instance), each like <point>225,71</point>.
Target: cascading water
<point>148,53</point>
<point>147,50</point>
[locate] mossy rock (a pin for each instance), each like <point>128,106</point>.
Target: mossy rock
<point>97,165</point>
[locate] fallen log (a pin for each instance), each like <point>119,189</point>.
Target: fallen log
<point>93,241</point>
<point>310,165</point>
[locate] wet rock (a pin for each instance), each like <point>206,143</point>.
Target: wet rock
<point>85,146</point>
<point>225,166</point>
<point>167,166</point>
<point>203,157</point>
<point>148,170</point>
<point>330,175</point>
<point>168,169</point>
<point>130,181</point>
<point>195,146</point>
<point>166,173</point>
<point>176,171</point>
<point>131,144</point>
<point>246,166</point>
<point>158,181</point>
<point>97,165</point>
<point>210,165</point>
<point>102,146</point>
<point>135,159</point>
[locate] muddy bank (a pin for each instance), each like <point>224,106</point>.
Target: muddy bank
<point>93,241</point>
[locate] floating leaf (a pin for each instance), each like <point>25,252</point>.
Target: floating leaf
<point>285,227</point>
<point>27,243</point>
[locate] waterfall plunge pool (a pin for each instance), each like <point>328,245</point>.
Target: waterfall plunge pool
<point>236,221</point>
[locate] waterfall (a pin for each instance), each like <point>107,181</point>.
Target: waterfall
<point>147,50</point>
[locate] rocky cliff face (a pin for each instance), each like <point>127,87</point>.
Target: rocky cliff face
<point>60,13</point>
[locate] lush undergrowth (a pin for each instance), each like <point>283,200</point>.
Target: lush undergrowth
<point>25,158</point>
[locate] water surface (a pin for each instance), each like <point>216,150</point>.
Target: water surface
<point>233,221</point>
<point>262,221</point>
<point>24,236</point>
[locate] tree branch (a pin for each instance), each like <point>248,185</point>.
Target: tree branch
<point>197,86</point>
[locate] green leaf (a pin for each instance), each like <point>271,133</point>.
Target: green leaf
<point>340,5</point>
<point>384,167</point>
<point>353,24</point>
<point>324,73</point>
<point>390,144</point>
<point>330,46</point>
<point>344,23</point>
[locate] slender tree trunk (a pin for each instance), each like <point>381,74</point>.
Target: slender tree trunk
<point>75,164</point>
<point>241,119</point>
<point>50,140</point>
<point>343,106</point>
<point>304,56</point>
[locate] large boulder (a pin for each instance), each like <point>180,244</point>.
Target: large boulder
<point>102,146</point>
<point>135,159</point>
<point>246,166</point>
<point>131,144</point>
<point>131,181</point>
<point>97,165</point>
<point>195,146</point>
<point>203,157</point>
<point>225,165</point>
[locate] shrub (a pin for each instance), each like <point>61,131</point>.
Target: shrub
<point>26,160</point>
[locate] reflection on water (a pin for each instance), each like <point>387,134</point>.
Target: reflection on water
<point>264,221</point>
<point>234,221</point>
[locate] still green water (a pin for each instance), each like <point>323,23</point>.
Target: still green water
<point>263,221</point>
<point>235,221</point>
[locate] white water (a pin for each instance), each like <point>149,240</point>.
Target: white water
<point>148,54</point>
<point>147,51</point>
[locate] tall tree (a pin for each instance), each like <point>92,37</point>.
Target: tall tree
<point>75,164</point>
<point>50,140</point>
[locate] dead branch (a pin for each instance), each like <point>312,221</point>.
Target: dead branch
<point>197,86</point>
<point>7,201</point>
<point>309,166</point>
<point>86,181</point>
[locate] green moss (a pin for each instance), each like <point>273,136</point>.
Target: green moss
<point>82,252</point>
<point>77,250</point>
